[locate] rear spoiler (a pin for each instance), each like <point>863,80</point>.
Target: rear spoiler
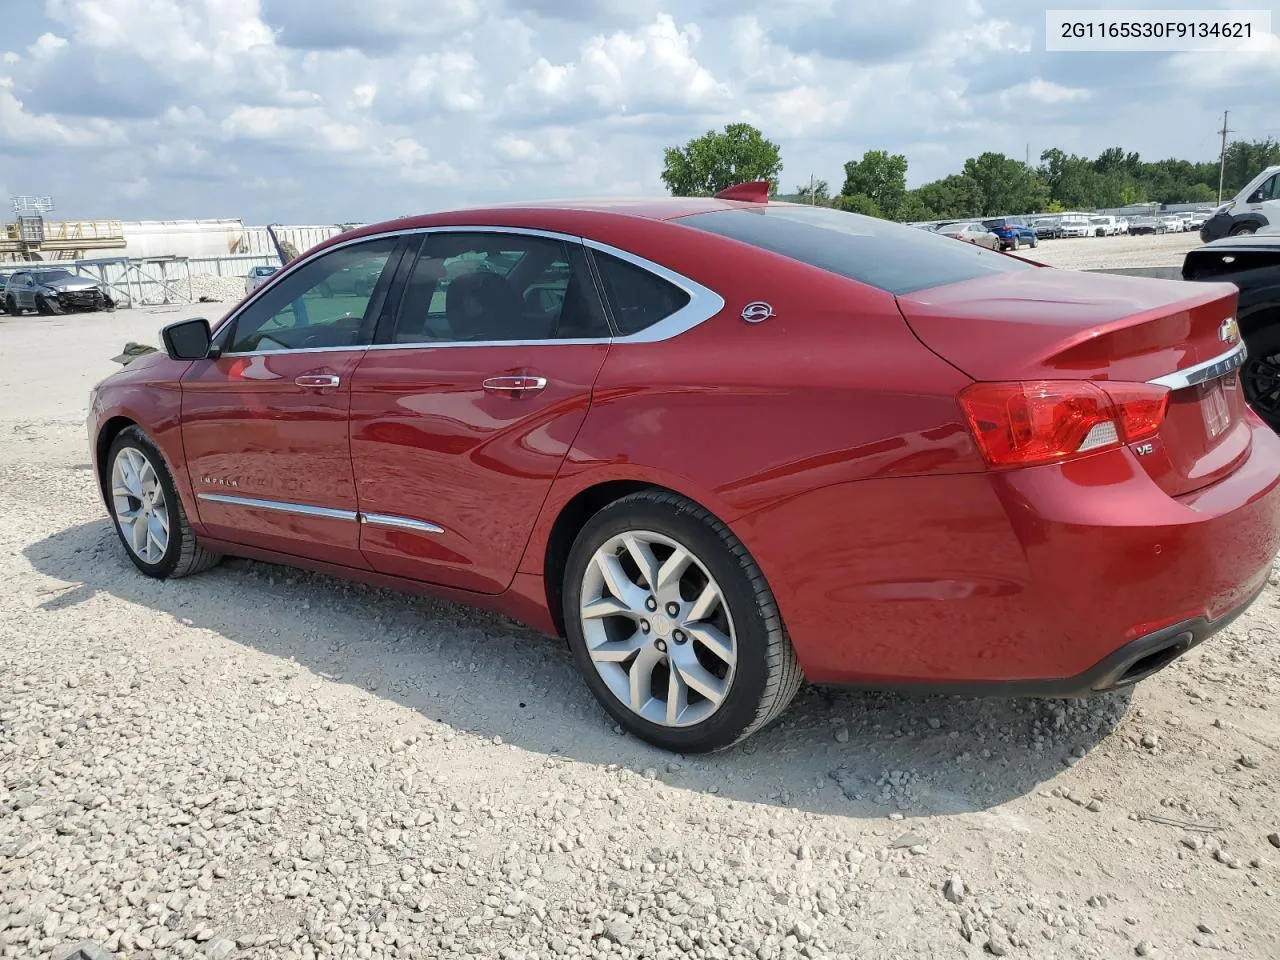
<point>753,191</point>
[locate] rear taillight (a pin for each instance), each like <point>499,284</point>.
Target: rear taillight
<point>1047,421</point>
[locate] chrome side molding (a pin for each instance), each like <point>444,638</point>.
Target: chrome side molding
<point>329,513</point>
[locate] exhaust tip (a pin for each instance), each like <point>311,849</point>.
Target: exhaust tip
<point>1154,661</point>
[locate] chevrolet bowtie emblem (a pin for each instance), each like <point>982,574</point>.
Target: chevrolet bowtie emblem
<point>1229,332</point>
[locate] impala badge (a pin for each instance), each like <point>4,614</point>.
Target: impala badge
<point>219,482</point>
<point>757,311</point>
<point>1229,332</point>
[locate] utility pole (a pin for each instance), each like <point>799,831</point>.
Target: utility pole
<point>1028,160</point>
<point>1222,157</point>
<point>813,201</point>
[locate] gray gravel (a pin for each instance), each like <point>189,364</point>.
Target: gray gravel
<point>263,763</point>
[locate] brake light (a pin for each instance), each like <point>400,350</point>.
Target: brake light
<point>1048,421</point>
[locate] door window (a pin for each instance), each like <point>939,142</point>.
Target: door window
<point>332,301</point>
<point>1270,190</point>
<point>498,287</point>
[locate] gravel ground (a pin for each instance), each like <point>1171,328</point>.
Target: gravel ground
<point>258,762</point>
<point>1095,253</point>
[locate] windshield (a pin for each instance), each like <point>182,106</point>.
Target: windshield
<point>45,276</point>
<point>890,256</point>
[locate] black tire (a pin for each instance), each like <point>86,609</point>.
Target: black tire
<point>11,306</point>
<point>182,556</point>
<point>1243,229</point>
<point>1013,245</point>
<point>49,307</point>
<point>1258,375</point>
<point>767,673</point>
<point>1035,242</point>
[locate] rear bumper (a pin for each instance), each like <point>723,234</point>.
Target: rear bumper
<point>1134,661</point>
<point>1050,581</point>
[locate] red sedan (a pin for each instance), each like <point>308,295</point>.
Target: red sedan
<point>721,444</point>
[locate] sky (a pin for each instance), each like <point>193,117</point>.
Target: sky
<point>307,111</point>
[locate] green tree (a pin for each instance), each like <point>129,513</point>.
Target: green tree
<point>952,197</point>
<point>880,175</point>
<point>858,203</point>
<point>913,208</point>
<point>1244,160</point>
<point>819,194</point>
<point>715,161</point>
<point>1008,185</point>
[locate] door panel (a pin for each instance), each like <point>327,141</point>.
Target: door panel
<point>265,425</point>
<point>463,412</point>
<point>251,432</point>
<point>431,445</point>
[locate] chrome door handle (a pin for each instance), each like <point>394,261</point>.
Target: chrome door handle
<point>317,380</point>
<point>515,384</point>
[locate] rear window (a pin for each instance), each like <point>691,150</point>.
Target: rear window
<point>890,256</point>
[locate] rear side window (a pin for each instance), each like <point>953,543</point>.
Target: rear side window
<point>890,256</point>
<point>638,298</point>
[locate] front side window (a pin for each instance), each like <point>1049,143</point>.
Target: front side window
<point>487,287</point>
<point>328,302</point>
<point>1271,189</point>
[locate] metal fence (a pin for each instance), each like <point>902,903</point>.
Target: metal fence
<point>163,280</point>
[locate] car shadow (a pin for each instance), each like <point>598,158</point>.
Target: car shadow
<point>834,752</point>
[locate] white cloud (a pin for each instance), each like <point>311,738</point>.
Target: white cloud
<point>651,68</point>
<point>276,109</point>
<point>1043,92</point>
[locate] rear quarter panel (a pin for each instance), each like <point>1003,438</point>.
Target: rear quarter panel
<point>832,389</point>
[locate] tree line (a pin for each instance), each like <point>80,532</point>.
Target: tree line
<point>987,185</point>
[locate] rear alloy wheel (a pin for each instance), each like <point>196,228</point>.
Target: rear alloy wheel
<point>1014,245</point>
<point>673,626</point>
<point>147,512</point>
<point>1260,376</point>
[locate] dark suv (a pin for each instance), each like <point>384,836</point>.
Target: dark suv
<point>54,290</point>
<point>1012,231</point>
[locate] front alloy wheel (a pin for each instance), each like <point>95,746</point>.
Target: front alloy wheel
<point>139,504</point>
<point>148,514</point>
<point>673,626</point>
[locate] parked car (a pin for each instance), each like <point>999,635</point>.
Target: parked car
<point>1047,228</point>
<point>1122,226</point>
<point>751,443</point>
<point>54,290</point>
<point>1103,226</point>
<point>1012,231</point>
<point>257,276</point>
<point>1254,207</point>
<point>1172,224</point>
<point>1146,225</point>
<point>1252,263</point>
<point>1075,225</point>
<point>972,233</point>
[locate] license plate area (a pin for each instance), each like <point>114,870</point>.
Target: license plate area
<point>1214,408</point>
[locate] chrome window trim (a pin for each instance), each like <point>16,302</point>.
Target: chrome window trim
<point>282,506</point>
<point>388,520</point>
<point>1210,369</point>
<point>704,303</point>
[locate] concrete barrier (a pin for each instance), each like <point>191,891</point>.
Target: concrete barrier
<point>1159,273</point>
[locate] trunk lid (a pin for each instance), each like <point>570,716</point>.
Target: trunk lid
<point>1050,324</point>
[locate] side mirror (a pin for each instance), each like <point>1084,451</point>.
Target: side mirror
<point>188,339</point>
<point>1255,197</point>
